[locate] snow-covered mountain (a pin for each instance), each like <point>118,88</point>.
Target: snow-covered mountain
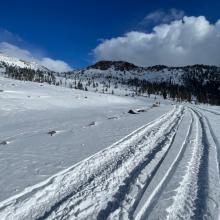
<point>200,82</point>
<point>16,62</point>
<point>16,68</point>
<point>121,70</point>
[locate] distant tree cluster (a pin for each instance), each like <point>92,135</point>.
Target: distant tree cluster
<point>200,83</point>
<point>202,86</point>
<point>203,82</point>
<point>165,89</point>
<point>27,74</point>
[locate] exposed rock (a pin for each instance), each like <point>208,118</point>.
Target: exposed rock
<point>131,111</point>
<point>3,143</point>
<point>51,133</point>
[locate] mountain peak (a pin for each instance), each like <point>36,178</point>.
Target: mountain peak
<point>117,65</point>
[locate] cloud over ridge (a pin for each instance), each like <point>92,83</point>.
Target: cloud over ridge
<point>186,41</point>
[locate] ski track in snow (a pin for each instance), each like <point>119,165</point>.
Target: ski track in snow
<point>110,184</point>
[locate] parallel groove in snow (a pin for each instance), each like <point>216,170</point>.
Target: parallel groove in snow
<point>217,144</point>
<point>190,199</point>
<point>65,185</point>
<point>70,207</point>
<point>141,171</point>
<point>150,202</point>
<point>208,110</point>
<point>111,183</point>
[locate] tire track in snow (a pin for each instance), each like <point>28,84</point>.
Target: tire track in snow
<point>217,144</point>
<point>121,192</point>
<point>201,201</point>
<point>155,195</point>
<point>110,167</point>
<point>208,110</point>
<point>124,189</point>
<point>213,201</point>
<point>86,180</point>
<point>190,201</point>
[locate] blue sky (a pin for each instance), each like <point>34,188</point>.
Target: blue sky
<point>69,30</point>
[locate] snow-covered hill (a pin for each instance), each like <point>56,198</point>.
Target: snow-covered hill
<point>120,70</point>
<point>15,68</point>
<point>16,62</point>
<point>123,71</point>
<point>199,82</point>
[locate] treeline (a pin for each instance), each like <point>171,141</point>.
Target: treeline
<point>199,92</point>
<point>204,83</point>
<point>27,74</point>
<point>198,83</point>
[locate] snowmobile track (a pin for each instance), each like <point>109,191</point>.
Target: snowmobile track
<point>155,195</point>
<point>85,181</point>
<point>111,183</point>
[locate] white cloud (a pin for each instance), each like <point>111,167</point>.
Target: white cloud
<point>15,51</point>
<point>190,40</point>
<point>162,17</point>
<point>24,54</point>
<point>56,65</point>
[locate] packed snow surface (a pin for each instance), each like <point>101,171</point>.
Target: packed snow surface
<point>70,154</point>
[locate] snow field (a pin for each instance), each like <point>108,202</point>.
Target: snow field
<point>167,168</point>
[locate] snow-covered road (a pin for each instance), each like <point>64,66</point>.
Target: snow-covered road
<point>168,168</point>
